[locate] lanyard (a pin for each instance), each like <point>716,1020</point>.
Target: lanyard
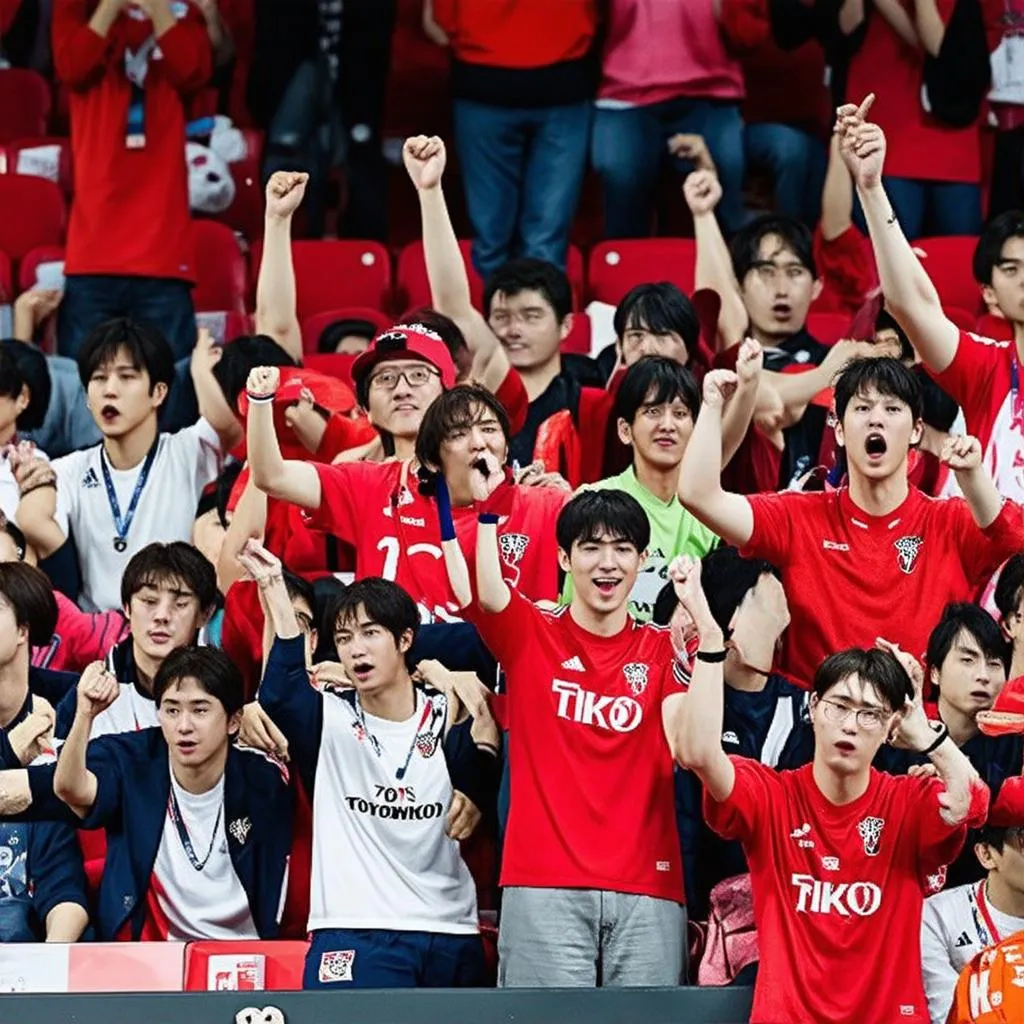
<point>174,811</point>
<point>993,935</point>
<point>122,526</point>
<point>428,712</point>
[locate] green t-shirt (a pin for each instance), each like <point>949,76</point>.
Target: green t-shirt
<point>674,531</point>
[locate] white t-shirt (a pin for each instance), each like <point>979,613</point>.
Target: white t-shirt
<point>206,904</point>
<point>9,496</point>
<point>381,857</point>
<point>185,463</point>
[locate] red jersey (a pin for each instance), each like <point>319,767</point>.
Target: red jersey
<point>594,803</point>
<point>851,577</point>
<point>396,533</point>
<point>131,210</point>
<point>837,889</point>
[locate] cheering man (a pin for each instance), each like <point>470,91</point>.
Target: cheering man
<point>837,851</point>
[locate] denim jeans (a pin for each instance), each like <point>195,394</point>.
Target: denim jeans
<point>92,299</point>
<point>629,145</point>
<point>929,208</point>
<point>796,162</point>
<point>522,171</point>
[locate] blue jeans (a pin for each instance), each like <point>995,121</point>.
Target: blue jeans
<point>91,299</point>
<point>628,148</point>
<point>374,958</point>
<point>522,171</point>
<point>929,208</point>
<point>796,162</point>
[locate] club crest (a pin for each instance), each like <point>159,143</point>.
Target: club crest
<point>636,675</point>
<point>907,550</point>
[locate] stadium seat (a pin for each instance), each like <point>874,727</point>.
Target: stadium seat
<point>237,966</point>
<point>314,326</point>
<point>223,325</point>
<point>331,274</point>
<point>331,364</point>
<point>578,339</point>
<point>617,266</point>
<point>92,966</point>
<point>45,156</point>
<point>6,280</point>
<point>963,318</point>
<point>221,272</point>
<point>32,213</point>
<point>828,328</point>
<point>31,262</point>
<point>245,214</point>
<point>948,260</point>
<point>25,103</point>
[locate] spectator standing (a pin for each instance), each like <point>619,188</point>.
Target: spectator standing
<point>522,80</point>
<point>129,70</point>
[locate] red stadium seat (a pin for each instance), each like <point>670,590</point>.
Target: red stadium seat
<point>235,966</point>
<point>331,274</point>
<point>617,266</point>
<point>948,260</point>
<point>828,328</point>
<point>245,214</point>
<point>32,213</point>
<point>6,280</point>
<point>578,339</point>
<point>332,364</point>
<point>25,103</point>
<point>314,326</point>
<point>221,273</point>
<point>45,156</point>
<point>31,261</point>
<point>963,318</point>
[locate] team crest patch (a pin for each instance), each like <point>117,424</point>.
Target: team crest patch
<point>512,547</point>
<point>239,830</point>
<point>426,744</point>
<point>636,675</point>
<point>360,731</point>
<point>870,831</point>
<point>907,550</point>
<point>336,965</point>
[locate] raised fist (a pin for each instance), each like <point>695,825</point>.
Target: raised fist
<point>97,690</point>
<point>749,362</point>
<point>425,158</point>
<point>702,191</point>
<point>285,192</point>
<point>263,381</point>
<point>961,453</point>
<point>719,387</point>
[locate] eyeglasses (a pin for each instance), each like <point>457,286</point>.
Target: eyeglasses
<point>868,719</point>
<point>415,377</point>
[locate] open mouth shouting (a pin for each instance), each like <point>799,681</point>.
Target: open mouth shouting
<point>110,413</point>
<point>875,446</point>
<point>606,585</point>
<point>362,671</point>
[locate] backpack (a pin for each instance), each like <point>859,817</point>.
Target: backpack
<point>731,942</point>
<point>958,78</point>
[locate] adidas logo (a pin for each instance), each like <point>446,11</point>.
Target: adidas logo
<point>90,480</point>
<point>574,664</point>
<point>963,940</point>
<point>731,737</point>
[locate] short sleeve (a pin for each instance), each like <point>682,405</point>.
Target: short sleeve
<point>198,447</point>
<point>983,551</point>
<point>339,489</point>
<point>772,538</point>
<point>505,632</point>
<point>977,367</point>
<point>69,476</point>
<point>742,813</point>
<point>938,843</point>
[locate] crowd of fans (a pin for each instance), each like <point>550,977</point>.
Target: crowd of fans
<point>709,650</point>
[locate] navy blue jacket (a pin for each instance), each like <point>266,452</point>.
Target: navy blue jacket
<point>134,786</point>
<point>48,684</point>
<point>120,661</point>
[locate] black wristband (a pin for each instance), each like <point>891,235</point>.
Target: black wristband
<point>488,518</point>
<point>938,741</point>
<point>712,657</point>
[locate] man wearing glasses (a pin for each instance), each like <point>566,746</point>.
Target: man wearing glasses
<point>838,851</point>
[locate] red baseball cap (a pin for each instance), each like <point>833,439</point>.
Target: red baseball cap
<point>1008,810</point>
<point>407,341</point>
<point>1006,716</point>
<point>332,393</point>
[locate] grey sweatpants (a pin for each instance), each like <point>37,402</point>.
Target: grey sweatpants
<point>579,938</point>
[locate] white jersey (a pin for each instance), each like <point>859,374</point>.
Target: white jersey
<point>9,496</point>
<point>207,902</point>
<point>381,857</point>
<point>130,712</point>
<point>184,464</point>
<point>957,925</point>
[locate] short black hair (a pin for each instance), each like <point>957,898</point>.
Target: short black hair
<point>526,275</point>
<point>745,247</point>
<point>30,594</point>
<point>384,602</point>
<point>885,321</point>
<point>962,616</point>
<point>872,665</point>
<point>11,380</point>
<point>655,380</point>
<point>661,308</point>
<point>887,376</point>
<point>145,345</point>
<point>243,355</point>
<point>1009,586</point>
<point>344,328</point>
<point>992,835</point>
<point>158,563</point>
<point>456,409</point>
<point>989,250</point>
<point>14,532</point>
<point>938,410</point>
<point>300,588</point>
<point>727,578</point>
<point>594,514</point>
<point>31,364</point>
<point>215,672</point>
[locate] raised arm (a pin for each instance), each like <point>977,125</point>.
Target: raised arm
<point>900,20</point>
<point>700,476</point>
<point>963,455</point>
<point>37,505</point>
<point>72,781</point>
<point>276,476</point>
<point>249,521</point>
<point>213,406</point>
<point>489,487</point>
<point>740,411</point>
<point>275,289</point>
<point>836,195</point>
<point>909,292</point>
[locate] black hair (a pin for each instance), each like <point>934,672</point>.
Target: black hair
<point>594,514</point>
<point>885,321</point>
<point>384,603</point>
<point>145,345</point>
<point>727,578</point>
<point>31,364</point>
<point>327,589</point>
<point>530,275</point>
<point>938,410</point>
<point>661,308</point>
<point>745,247</point>
<point>14,532</point>
<point>992,835</point>
<point>989,250</point>
<point>225,485</point>
<point>871,666</point>
<point>457,409</point>
<point>178,561</point>
<point>1009,586</point>
<point>338,329</point>
<point>655,380</point>
<point>30,594</point>
<point>962,616</point>
<point>215,672</point>
<point>299,588</point>
<point>885,375</point>
<point>447,330</point>
<point>11,380</point>
<point>243,355</point>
